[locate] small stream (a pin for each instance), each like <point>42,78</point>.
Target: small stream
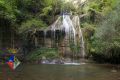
<point>61,72</point>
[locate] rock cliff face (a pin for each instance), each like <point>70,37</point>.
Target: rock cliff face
<point>9,38</point>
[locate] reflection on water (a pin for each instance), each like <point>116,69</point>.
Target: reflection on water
<point>62,72</point>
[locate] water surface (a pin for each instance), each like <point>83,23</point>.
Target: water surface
<point>62,72</point>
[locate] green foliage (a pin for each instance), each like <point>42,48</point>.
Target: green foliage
<point>88,32</point>
<point>107,36</point>
<point>105,44</point>
<point>103,6</point>
<point>98,9</point>
<point>7,9</point>
<point>46,10</point>
<point>49,53</point>
<point>32,24</point>
<point>69,7</point>
<point>109,30</point>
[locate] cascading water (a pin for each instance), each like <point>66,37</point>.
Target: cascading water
<point>76,22</point>
<point>73,32</point>
<point>82,44</point>
<point>69,28</point>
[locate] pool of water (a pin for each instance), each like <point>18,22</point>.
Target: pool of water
<point>60,72</point>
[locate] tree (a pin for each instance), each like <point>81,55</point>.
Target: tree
<point>107,36</point>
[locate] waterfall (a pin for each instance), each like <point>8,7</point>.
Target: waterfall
<point>72,28</point>
<point>77,22</point>
<point>69,28</point>
<point>73,31</point>
<point>82,44</point>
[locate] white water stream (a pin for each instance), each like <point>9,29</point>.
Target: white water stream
<point>72,29</point>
